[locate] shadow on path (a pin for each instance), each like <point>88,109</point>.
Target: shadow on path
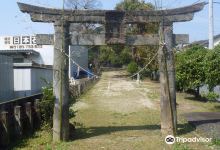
<point>84,133</point>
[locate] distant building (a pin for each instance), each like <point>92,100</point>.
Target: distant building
<point>205,43</point>
<point>30,78</point>
<point>32,63</point>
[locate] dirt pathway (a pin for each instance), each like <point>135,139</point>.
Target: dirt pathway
<point>117,94</point>
<point>117,114</point>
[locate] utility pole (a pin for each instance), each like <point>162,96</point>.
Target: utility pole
<point>211,25</point>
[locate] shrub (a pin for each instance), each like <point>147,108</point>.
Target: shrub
<point>211,96</point>
<point>212,62</point>
<point>47,105</point>
<point>132,67</point>
<point>190,68</point>
<point>125,56</point>
<point>216,141</point>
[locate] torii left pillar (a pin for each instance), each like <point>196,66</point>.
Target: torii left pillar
<point>167,80</point>
<point>61,81</point>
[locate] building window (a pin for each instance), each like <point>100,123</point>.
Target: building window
<point>7,40</point>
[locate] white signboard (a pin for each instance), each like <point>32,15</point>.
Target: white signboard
<point>18,42</point>
<point>28,42</point>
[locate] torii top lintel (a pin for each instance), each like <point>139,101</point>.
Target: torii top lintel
<point>42,14</point>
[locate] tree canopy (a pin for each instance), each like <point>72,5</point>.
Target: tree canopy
<point>130,5</point>
<point>197,66</point>
<point>82,4</point>
<point>190,66</point>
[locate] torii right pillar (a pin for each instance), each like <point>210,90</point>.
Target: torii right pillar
<point>167,79</point>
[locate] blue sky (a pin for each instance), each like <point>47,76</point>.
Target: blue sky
<point>13,22</point>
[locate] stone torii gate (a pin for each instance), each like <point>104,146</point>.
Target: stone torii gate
<point>115,23</point>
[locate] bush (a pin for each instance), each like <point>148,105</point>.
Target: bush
<point>125,56</point>
<point>190,68</point>
<point>132,67</point>
<point>47,105</point>
<point>211,96</point>
<point>216,142</point>
<point>212,62</point>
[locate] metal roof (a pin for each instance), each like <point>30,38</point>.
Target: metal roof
<point>26,51</point>
<point>205,43</point>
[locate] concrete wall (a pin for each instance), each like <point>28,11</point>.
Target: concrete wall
<point>29,81</point>
<point>6,78</point>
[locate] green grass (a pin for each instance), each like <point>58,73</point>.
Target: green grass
<point>101,126</point>
<point>216,142</point>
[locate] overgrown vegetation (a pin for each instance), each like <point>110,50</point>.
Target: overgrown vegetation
<point>134,5</point>
<point>132,67</point>
<point>47,105</point>
<point>210,96</point>
<point>216,142</point>
<point>197,66</point>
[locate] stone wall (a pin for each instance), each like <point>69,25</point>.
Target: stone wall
<point>80,86</point>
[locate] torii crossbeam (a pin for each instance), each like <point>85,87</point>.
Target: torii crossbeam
<point>115,33</point>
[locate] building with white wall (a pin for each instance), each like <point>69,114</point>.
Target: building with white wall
<point>32,63</point>
<point>29,79</point>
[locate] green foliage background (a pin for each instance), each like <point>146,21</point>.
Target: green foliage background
<point>197,66</point>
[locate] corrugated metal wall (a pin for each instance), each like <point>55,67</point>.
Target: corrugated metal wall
<point>38,78</point>
<point>29,81</point>
<point>6,78</point>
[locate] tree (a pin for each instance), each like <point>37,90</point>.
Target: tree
<point>142,54</point>
<point>82,4</point>
<point>111,56</point>
<point>190,68</point>
<point>212,68</point>
<point>131,5</point>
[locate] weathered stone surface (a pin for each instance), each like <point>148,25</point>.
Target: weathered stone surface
<point>151,39</point>
<point>42,14</point>
<point>181,38</point>
<point>88,39</point>
<point>18,122</point>
<point>61,82</point>
<point>36,9</point>
<point>167,81</point>
<point>45,39</point>
<point>99,39</point>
